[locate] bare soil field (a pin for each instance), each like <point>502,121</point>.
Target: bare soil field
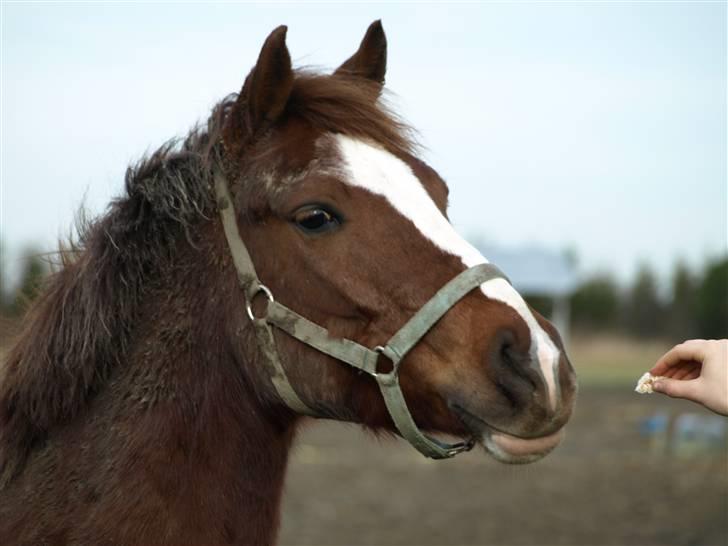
<point>606,484</point>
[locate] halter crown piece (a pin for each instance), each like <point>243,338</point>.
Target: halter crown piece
<point>346,350</point>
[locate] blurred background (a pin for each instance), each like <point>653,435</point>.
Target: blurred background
<point>585,148</point>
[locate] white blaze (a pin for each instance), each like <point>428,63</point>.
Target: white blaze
<point>380,172</point>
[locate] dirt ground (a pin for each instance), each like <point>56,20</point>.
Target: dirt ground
<point>607,484</point>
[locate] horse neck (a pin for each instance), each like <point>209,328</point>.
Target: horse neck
<point>179,436</point>
<point>232,447</point>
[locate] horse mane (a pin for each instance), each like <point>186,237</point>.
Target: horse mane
<point>80,327</point>
<point>350,105</point>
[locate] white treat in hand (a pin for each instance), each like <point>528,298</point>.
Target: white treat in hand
<point>644,385</point>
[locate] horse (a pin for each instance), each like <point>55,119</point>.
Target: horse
<point>159,380</point>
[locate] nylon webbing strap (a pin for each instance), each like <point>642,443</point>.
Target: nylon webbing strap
<point>407,337</point>
<point>249,282</point>
<point>397,407</point>
<point>365,359</point>
<point>416,327</point>
<point>397,347</point>
<point>319,338</point>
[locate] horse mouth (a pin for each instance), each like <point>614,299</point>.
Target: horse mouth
<point>508,448</point>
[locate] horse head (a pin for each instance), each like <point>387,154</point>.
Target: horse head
<point>347,227</point>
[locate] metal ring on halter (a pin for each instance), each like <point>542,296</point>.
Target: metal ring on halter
<point>249,303</point>
<point>395,363</point>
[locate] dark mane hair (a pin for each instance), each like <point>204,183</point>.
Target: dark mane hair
<point>79,328</point>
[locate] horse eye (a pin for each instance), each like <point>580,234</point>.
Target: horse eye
<point>316,220</point>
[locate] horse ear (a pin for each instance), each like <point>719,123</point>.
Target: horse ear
<point>370,60</point>
<point>264,94</point>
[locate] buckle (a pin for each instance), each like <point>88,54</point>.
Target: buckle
<point>460,447</point>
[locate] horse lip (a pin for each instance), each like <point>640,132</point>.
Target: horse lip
<point>475,425</point>
<point>507,447</point>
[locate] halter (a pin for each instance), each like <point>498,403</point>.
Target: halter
<point>346,350</point>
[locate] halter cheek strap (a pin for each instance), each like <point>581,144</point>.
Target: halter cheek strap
<point>343,349</point>
<point>248,279</point>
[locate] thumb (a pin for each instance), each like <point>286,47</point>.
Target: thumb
<point>676,388</point>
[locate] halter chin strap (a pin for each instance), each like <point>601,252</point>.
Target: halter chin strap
<point>343,349</point>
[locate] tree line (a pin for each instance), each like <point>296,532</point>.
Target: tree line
<point>696,304</point>
<point>15,300</point>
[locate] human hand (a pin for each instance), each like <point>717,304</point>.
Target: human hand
<point>696,370</point>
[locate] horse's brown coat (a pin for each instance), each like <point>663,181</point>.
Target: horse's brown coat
<point>133,409</point>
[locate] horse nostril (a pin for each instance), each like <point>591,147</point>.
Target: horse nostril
<point>515,358</point>
<point>510,353</point>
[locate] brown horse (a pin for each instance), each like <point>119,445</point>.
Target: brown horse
<point>136,407</point>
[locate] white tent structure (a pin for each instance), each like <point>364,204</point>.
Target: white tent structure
<point>537,271</point>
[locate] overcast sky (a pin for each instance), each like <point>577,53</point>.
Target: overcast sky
<point>599,127</point>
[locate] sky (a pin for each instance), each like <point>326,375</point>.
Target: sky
<point>593,127</point>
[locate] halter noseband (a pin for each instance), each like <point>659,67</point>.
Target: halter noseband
<point>343,349</point>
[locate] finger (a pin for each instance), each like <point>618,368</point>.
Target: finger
<point>674,388</point>
<point>683,369</point>
<point>678,371</point>
<point>692,375</point>
<point>693,350</point>
<point>675,371</point>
